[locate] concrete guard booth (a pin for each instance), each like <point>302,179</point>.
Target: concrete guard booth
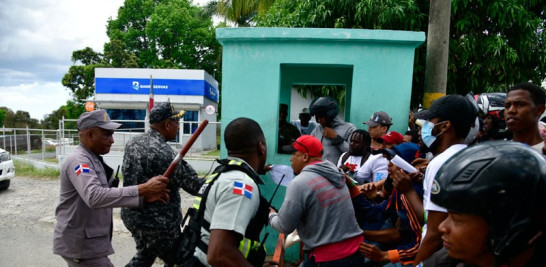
<point>260,66</point>
<point>125,94</point>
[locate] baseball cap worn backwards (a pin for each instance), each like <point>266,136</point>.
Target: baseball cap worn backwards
<point>306,144</point>
<point>379,118</point>
<point>164,111</point>
<point>96,118</point>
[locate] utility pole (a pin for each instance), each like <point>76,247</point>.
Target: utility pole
<point>437,50</point>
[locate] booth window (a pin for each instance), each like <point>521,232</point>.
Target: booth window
<point>129,114</point>
<point>191,118</point>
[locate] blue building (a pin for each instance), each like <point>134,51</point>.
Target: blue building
<point>124,94</point>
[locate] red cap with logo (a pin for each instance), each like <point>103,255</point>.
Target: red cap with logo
<point>392,137</point>
<point>306,144</point>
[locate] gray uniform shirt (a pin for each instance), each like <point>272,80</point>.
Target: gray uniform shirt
<point>84,214</point>
<point>227,209</point>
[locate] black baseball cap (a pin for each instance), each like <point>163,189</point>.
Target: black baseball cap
<point>164,111</point>
<point>454,108</point>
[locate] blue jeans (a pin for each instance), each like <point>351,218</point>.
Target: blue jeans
<point>356,260</point>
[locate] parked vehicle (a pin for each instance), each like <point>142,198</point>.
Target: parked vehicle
<point>7,169</point>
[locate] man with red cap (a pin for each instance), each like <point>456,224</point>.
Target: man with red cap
<point>318,204</point>
<point>390,139</point>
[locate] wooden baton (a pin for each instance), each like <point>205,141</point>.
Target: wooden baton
<point>185,149</point>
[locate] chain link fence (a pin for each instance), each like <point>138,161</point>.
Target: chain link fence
<point>51,145</point>
<point>35,143</point>
<point>206,146</point>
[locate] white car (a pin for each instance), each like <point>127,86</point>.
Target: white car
<point>7,170</point>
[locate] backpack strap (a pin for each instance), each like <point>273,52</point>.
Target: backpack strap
<point>225,166</point>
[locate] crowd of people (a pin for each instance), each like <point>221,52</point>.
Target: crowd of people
<point>458,188</point>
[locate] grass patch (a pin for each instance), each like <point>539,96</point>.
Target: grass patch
<point>24,169</point>
<point>52,160</point>
<point>214,153</point>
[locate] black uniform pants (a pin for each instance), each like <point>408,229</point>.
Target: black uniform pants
<point>152,243</point>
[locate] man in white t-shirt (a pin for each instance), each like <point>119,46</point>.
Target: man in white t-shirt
<point>359,151</point>
<point>444,127</point>
<point>524,105</point>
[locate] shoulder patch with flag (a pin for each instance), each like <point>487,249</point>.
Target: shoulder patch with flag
<point>81,168</point>
<point>242,189</point>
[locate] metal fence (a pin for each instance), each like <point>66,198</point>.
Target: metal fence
<point>34,143</point>
<point>51,145</point>
<point>206,146</point>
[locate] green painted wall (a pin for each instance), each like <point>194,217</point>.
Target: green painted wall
<point>259,65</point>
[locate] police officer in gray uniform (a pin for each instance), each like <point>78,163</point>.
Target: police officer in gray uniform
<point>83,230</point>
<point>156,228</point>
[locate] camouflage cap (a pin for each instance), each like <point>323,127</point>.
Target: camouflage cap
<point>164,111</point>
<point>96,118</point>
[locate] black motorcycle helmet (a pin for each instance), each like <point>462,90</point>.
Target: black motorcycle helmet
<point>324,106</point>
<point>504,183</point>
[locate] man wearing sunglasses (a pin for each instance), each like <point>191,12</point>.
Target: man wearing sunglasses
<point>317,203</point>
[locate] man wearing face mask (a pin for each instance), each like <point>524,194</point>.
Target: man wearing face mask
<point>444,127</point>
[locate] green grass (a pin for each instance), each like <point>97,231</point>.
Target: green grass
<point>23,169</point>
<point>52,160</point>
<point>214,153</point>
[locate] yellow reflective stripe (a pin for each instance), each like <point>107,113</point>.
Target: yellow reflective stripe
<point>244,247</point>
<point>197,202</point>
<point>210,177</point>
<point>235,162</point>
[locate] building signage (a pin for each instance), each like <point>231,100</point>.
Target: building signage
<point>161,87</point>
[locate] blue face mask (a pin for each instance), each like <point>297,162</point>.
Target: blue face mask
<point>426,133</point>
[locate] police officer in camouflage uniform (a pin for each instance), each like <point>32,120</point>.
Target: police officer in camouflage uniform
<point>156,227</point>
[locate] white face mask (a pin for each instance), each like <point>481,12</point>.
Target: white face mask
<point>426,133</point>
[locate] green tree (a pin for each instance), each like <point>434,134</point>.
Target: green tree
<point>149,34</point>
<point>180,38</point>
<point>241,12</point>
<point>71,110</point>
<point>492,43</point>
<point>3,112</point>
<point>80,78</point>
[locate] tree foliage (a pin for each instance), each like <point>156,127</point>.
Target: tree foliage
<point>493,43</point>
<point>149,34</point>
<point>71,110</point>
<point>80,78</point>
<point>241,12</point>
<point>18,119</point>
<point>164,34</point>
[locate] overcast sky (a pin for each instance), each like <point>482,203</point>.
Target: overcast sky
<point>37,38</point>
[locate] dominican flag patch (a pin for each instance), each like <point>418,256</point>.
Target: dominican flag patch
<point>242,189</point>
<point>81,168</point>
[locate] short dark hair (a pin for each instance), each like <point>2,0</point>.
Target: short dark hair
<point>414,136</point>
<point>243,134</point>
<point>536,92</point>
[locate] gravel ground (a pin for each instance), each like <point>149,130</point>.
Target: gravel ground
<point>27,217</point>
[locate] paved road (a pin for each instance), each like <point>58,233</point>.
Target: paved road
<point>27,217</point>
